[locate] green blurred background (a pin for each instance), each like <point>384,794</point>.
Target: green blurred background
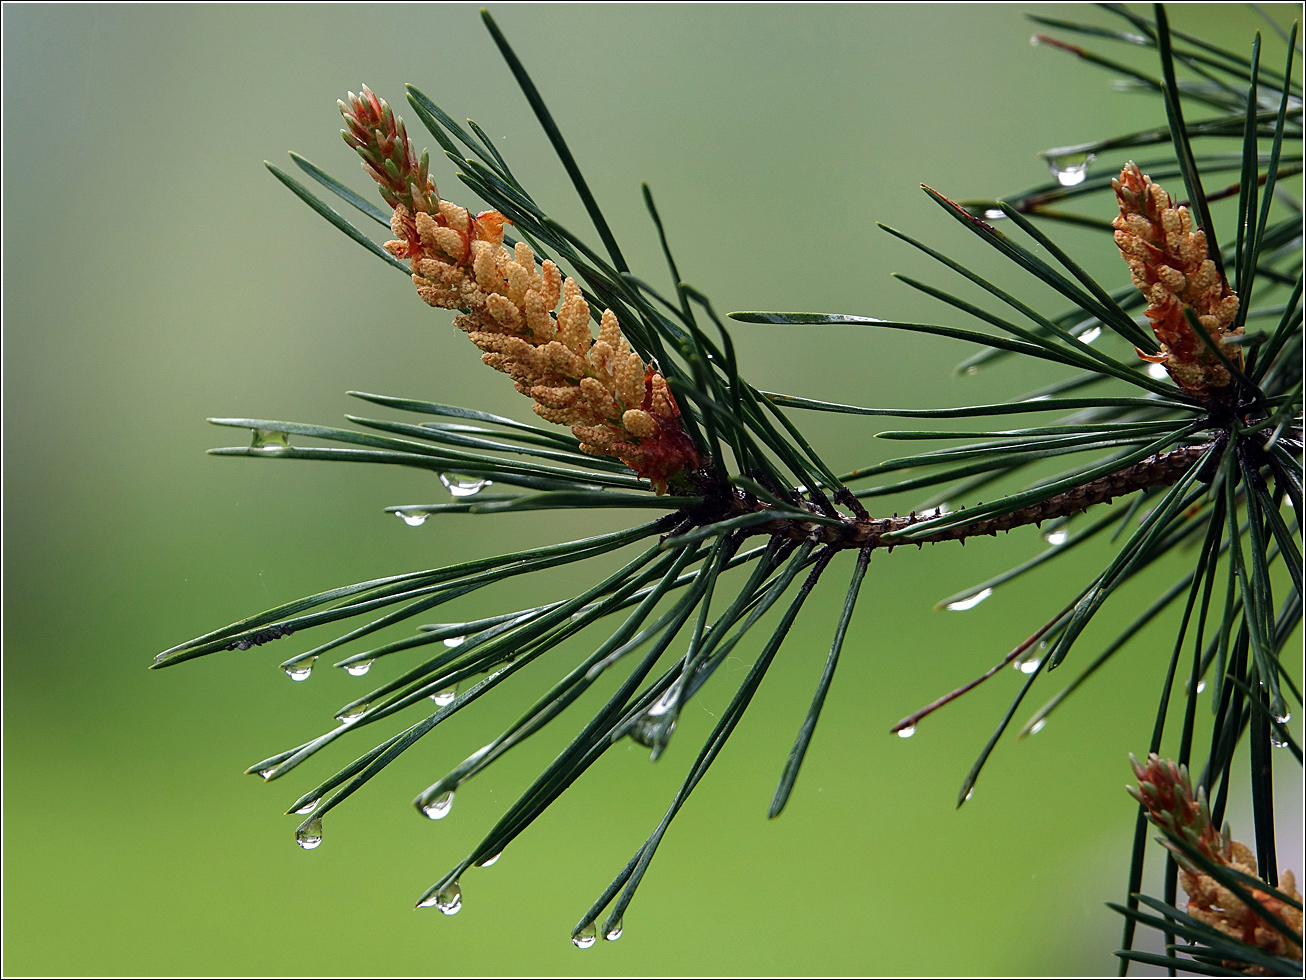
<point>155,274</point>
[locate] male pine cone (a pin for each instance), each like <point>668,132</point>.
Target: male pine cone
<point>1169,263</point>
<point>615,404</point>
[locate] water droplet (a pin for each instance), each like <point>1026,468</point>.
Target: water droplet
<point>454,641</point>
<point>300,669</point>
<point>267,773</point>
<point>446,696</point>
<point>1056,538</point>
<point>351,715</point>
<point>1157,371</point>
<point>1030,665</point>
<point>490,860</point>
<point>1201,686</point>
<point>969,793</point>
<point>586,937</point>
<point>450,899</point>
<point>309,835</point>
<point>1018,664</point>
<point>963,604</point>
<point>907,732</point>
<point>1038,726</point>
<point>614,932</point>
<point>1284,718</point>
<point>269,443</point>
<point>309,807</point>
<point>463,486</point>
<point>1277,740</point>
<point>358,669</point>
<point>994,214</point>
<point>428,901</point>
<point>439,807</point>
<point>973,369</point>
<point>1088,336</point>
<point>412,518</point>
<point>1070,170</point>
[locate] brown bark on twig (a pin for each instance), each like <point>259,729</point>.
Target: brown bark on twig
<point>1162,469</point>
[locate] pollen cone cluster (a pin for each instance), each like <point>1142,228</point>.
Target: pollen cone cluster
<point>528,321</point>
<point>1170,265</point>
<point>1166,792</point>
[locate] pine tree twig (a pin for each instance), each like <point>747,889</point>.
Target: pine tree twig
<point>1161,469</point>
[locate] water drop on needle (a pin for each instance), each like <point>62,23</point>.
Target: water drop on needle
<point>300,670</point>
<point>447,696</point>
<point>359,669</point>
<point>463,486</point>
<point>907,732</point>
<point>614,932</point>
<point>1056,538</point>
<point>269,443</point>
<point>969,603</point>
<point>308,807</point>
<point>491,860</point>
<point>450,899</point>
<point>454,641</point>
<point>1088,336</point>
<point>413,518</point>
<point>1070,170</point>
<point>439,807</point>
<point>1030,665</point>
<point>586,937</point>
<point>309,835</point>
<point>352,715</point>
<point>1038,726</point>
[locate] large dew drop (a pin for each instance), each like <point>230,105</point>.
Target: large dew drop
<point>1070,170</point>
<point>907,732</point>
<point>491,860</point>
<point>351,715</point>
<point>265,442</point>
<point>614,932</point>
<point>1157,371</point>
<point>586,937</point>
<point>308,807</point>
<point>1088,336</point>
<point>1056,538</point>
<point>299,670</point>
<point>412,518</point>
<point>358,669</point>
<point>970,603</point>
<point>450,899</point>
<point>463,486</point>
<point>1030,666</point>
<point>309,835</point>
<point>439,807</point>
<point>447,696</point>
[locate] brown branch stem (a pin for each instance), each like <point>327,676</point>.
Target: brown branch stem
<point>1161,469</point>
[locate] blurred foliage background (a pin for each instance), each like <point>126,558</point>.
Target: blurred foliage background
<point>155,274</point>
